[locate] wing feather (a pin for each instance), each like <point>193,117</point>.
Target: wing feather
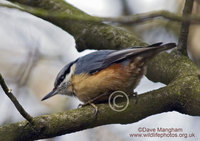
<point>99,60</point>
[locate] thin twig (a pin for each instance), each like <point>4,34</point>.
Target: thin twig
<point>14,100</point>
<point>182,42</point>
<point>143,17</point>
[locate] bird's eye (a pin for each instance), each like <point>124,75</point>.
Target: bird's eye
<point>61,78</point>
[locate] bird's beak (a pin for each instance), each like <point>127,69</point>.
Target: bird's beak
<point>52,93</point>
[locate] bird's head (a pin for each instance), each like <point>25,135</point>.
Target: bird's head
<point>62,83</point>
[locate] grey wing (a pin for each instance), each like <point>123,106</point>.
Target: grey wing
<point>125,53</point>
<point>92,62</point>
<point>146,52</point>
<point>99,60</point>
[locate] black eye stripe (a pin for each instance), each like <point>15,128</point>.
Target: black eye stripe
<point>62,78</point>
<point>62,74</point>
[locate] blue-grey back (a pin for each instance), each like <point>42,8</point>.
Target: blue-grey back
<point>92,62</point>
<point>99,60</point>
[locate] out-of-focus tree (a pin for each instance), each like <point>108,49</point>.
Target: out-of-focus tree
<point>194,42</point>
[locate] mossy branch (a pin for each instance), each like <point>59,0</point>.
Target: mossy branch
<point>127,20</point>
<point>88,35</point>
<point>181,94</point>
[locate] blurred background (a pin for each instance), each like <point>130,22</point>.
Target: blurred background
<point>32,51</point>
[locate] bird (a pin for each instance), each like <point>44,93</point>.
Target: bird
<point>93,77</point>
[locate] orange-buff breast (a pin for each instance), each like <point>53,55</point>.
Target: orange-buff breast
<point>115,77</point>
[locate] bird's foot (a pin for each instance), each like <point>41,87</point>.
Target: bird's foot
<point>81,105</point>
<point>95,108</point>
<point>92,104</point>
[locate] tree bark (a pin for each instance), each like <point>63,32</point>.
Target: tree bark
<point>88,35</point>
<point>178,72</point>
<point>179,95</point>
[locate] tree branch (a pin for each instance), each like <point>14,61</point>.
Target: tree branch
<point>87,26</point>
<point>14,100</point>
<point>128,20</point>
<point>182,42</point>
<point>88,35</point>
<point>143,17</point>
<point>167,69</point>
<point>181,75</point>
<point>182,97</point>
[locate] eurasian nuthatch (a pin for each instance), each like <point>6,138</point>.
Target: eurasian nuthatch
<point>93,77</point>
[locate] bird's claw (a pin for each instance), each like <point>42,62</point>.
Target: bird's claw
<point>92,104</point>
<point>95,108</point>
<point>81,105</point>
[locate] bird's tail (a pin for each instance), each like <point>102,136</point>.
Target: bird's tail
<point>145,53</point>
<point>154,49</point>
<point>163,47</point>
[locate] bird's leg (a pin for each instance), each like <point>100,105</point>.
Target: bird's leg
<point>136,96</point>
<point>91,102</point>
